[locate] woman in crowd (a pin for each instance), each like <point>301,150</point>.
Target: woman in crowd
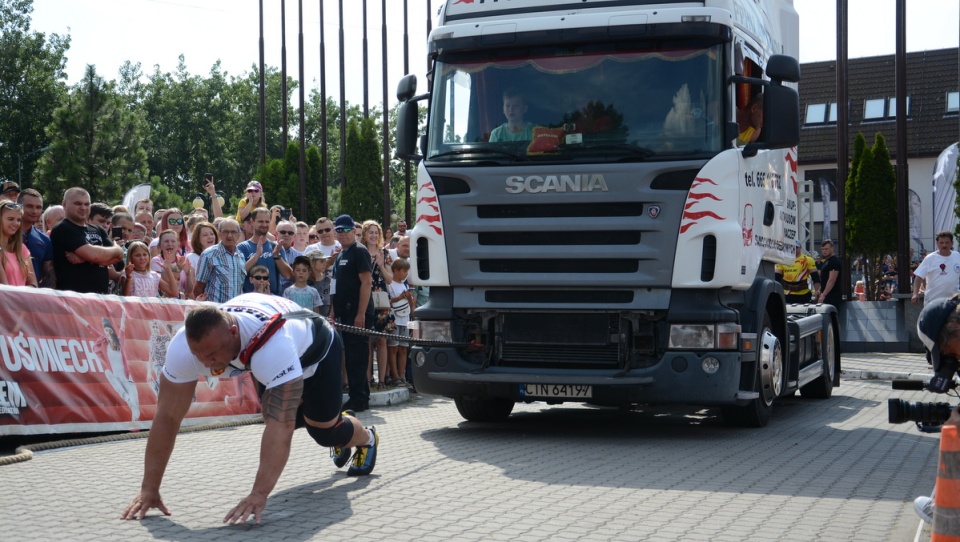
<point>172,219</point>
<point>383,318</point>
<point>15,266</point>
<point>251,201</point>
<point>203,237</point>
<point>183,275</point>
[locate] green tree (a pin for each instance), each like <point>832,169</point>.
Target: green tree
<point>32,84</point>
<point>875,220</point>
<point>96,143</point>
<point>851,188</point>
<point>362,196</point>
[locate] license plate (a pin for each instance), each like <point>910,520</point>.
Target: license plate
<point>566,391</point>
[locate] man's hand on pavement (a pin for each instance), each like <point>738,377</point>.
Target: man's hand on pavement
<point>251,505</point>
<point>143,502</point>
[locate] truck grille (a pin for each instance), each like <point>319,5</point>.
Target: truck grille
<point>567,341</point>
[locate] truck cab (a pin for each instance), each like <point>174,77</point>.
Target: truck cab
<point>604,189</point>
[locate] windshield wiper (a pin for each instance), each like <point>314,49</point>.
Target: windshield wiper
<point>461,152</point>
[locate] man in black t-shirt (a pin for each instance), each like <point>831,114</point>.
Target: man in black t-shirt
<point>349,291</point>
<point>81,251</point>
<point>830,276</point>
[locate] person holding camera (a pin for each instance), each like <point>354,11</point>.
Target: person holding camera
<point>251,201</point>
<point>939,329</point>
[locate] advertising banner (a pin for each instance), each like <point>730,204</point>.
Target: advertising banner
<point>73,363</point>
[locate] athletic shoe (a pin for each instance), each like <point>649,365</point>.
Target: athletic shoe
<point>923,506</point>
<point>341,455</point>
<point>365,457</point>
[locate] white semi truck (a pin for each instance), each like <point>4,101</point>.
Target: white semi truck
<point>615,243</point>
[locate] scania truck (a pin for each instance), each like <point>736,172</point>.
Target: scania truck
<point>604,188</point>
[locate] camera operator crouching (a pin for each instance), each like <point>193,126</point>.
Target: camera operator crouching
<point>939,329</point>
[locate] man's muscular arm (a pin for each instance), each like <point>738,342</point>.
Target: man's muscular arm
<point>172,404</point>
<point>279,416</point>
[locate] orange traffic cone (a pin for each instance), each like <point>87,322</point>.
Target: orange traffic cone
<point>946,513</point>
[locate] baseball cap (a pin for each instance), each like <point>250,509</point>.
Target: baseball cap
<point>930,322</point>
<point>254,185</point>
<point>316,255</point>
<point>345,221</point>
<point>9,186</point>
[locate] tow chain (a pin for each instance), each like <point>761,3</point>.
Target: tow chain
<point>472,345</point>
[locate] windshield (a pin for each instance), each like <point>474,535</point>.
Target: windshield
<point>603,102</point>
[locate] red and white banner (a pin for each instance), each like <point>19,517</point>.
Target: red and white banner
<point>73,363</point>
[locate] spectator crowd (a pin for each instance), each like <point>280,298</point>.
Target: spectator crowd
<point>93,247</point>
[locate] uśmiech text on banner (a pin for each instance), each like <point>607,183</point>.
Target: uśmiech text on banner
<point>74,363</point>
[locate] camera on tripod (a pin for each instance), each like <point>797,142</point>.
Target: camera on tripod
<point>928,416</point>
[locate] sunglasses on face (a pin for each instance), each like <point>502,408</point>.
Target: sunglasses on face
<point>252,190</point>
<point>312,236</point>
<point>286,232</point>
<point>12,205</point>
<point>229,232</point>
<point>261,277</point>
<point>342,230</point>
<point>324,230</point>
<point>175,221</point>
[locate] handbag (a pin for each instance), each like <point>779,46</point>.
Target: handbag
<point>381,300</point>
<point>401,308</point>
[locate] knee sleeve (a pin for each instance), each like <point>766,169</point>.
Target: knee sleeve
<point>339,435</point>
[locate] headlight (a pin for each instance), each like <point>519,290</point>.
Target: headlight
<point>704,336</point>
<point>435,331</point>
<point>691,336</point>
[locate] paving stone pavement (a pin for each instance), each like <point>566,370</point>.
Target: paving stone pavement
<point>831,470</point>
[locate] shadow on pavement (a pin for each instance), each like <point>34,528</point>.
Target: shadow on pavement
<point>297,513</point>
<point>815,448</point>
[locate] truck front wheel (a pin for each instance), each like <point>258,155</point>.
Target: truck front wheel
<point>484,410</point>
<point>768,383</point>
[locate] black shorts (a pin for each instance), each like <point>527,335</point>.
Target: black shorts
<point>323,392</point>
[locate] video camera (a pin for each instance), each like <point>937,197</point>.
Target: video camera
<point>928,416</point>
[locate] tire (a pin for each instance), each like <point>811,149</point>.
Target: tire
<point>484,410</point>
<point>822,388</point>
<point>768,382</point>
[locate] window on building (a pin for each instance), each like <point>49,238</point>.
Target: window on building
<point>882,108</point>
<point>874,109</point>
<point>953,102</point>
<point>821,113</point>
<point>892,107</point>
<point>816,113</point>
<point>832,114</point>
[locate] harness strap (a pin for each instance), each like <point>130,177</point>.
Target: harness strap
<point>269,330</point>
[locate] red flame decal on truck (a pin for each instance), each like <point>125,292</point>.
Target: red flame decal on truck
<point>698,193</point>
<point>431,202</point>
<point>792,167</point>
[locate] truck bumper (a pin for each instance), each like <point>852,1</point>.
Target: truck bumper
<point>677,378</point>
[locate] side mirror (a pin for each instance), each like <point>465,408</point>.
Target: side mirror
<point>782,106</point>
<point>407,126</point>
<point>407,87</point>
<point>783,68</point>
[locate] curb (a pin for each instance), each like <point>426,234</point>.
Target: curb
<point>395,396</point>
<point>861,374</point>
